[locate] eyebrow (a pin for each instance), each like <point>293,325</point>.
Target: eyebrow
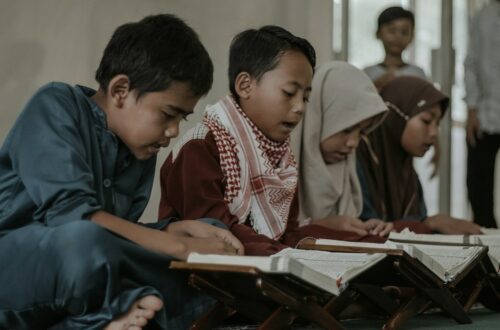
<point>184,112</point>
<point>307,89</point>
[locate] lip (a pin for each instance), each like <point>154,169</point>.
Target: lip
<point>341,156</point>
<point>291,123</point>
<point>288,126</point>
<point>153,150</point>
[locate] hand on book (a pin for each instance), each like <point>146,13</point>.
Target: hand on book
<point>379,227</point>
<point>447,225</point>
<point>205,238</point>
<point>353,225</point>
<point>343,223</point>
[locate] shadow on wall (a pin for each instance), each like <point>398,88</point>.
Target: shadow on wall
<point>22,64</point>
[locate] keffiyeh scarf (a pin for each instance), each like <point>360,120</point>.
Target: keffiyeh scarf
<point>260,174</point>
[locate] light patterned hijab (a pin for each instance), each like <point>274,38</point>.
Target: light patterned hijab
<point>342,96</point>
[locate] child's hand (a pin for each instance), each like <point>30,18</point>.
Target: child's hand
<point>378,227</point>
<point>212,245</point>
<point>198,229</point>
<point>451,226</point>
<point>343,223</point>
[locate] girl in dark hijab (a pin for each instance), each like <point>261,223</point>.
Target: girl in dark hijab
<point>391,188</point>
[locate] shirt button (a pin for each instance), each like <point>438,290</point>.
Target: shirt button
<point>107,183</point>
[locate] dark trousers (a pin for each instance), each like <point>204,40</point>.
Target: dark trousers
<point>81,276</point>
<point>481,178</point>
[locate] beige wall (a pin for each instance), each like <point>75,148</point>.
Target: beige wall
<point>62,40</point>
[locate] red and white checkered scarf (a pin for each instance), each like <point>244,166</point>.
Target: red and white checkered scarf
<point>260,174</point>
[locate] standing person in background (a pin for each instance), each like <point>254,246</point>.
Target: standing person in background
<point>482,84</point>
<point>395,29</point>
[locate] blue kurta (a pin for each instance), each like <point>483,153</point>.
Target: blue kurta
<point>58,165</point>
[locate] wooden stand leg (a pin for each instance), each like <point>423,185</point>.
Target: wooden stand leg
<point>412,308</point>
<point>378,297</point>
<point>251,309</point>
<point>337,305</point>
<point>307,309</point>
<point>445,300</point>
<point>436,293</point>
<point>282,318</point>
<point>213,317</point>
<point>473,295</point>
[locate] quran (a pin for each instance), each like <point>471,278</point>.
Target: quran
<point>445,261</point>
<point>328,271</point>
<point>491,239</point>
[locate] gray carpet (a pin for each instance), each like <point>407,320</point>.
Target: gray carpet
<point>481,320</point>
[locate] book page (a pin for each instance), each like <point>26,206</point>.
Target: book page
<point>493,244</point>
<point>335,242</point>
<point>340,266</point>
<point>445,261</point>
<point>490,239</point>
<point>490,231</point>
<point>326,270</point>
<point>263,263</point>
<point>409,236</point>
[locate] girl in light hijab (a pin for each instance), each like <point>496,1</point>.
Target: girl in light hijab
<point>391,188</point>
<point>344,106</point>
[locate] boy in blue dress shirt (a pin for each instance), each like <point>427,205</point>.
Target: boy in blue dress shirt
<point>76,172</point>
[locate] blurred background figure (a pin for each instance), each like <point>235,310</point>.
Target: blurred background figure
<point>482,83</point>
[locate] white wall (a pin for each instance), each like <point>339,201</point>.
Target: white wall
<point>62,40</point>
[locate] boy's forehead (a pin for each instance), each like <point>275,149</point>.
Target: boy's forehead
<point>293,67</point>
<point>399,21</point>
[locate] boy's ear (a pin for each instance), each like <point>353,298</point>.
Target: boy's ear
<point>243,85</point>
<point>118,89</point>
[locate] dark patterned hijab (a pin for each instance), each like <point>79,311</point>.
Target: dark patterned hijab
<point>391,179</point>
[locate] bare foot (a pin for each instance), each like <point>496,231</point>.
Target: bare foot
<point>138,315</point>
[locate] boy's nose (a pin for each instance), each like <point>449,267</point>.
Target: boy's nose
<point>299,107</point>
<point>172,131</point>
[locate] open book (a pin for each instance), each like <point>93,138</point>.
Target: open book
<point>328,271</point>
<point>446,261</point>
<point>492,241</point>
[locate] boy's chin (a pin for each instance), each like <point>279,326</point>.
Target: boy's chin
<point>142,155</point>
<point>277,136</point>
<point>278,139</point>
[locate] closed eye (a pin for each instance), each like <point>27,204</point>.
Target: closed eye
<point>170,116</point>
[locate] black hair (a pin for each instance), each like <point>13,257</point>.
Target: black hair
<point>393,13</point>
<point>155,52</point>
<point>259,51</point>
